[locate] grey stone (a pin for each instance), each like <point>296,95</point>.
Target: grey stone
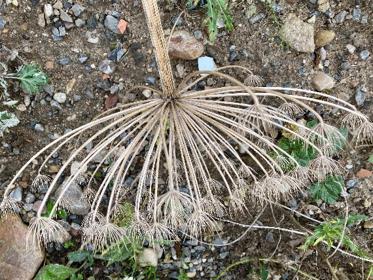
<point>60,97</point>
<point>360,95</point>
<point>351,183</point>
<point>30,198</point>
<point>298,34</point>
<point>111,23</point>
<point>48,11</point>
<point>18,260</point>
<point>74,200</point>
<point>150,80</point>
<point>62,31</point>
<point>257,18</point>
<point>356,14</point>
<point>107,66</point>
<point>269,237</point>
<point>198,34</point>
<point>92,37</point>
<point>64,60</point>
<point>41,21</point>
<point>39,127</point>
<point>116,54</point>
<point>224,255</point>
<point>2,22</point>
<point>79,22</point>
<point>364,19</point>
<point>65,17</point>
<point>350,48</point>
<point>16,194</point>
<point>83,58</point>
<point>364,55</point>
<point>77,9</point>
<point>340,17</point>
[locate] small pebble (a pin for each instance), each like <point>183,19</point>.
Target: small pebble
<point>83,58</point>
<point>64,60</point>
<point>364,55</point>
<point>77,9</point>
<point>107,66</point>
<point>350,48</point>
<point>2,23</point>
<point>356,14</point>
<point>39,127</point>
<point>340,17</point>
<point>360,95</point>
<point>257,18</point>
<point>60,97</point>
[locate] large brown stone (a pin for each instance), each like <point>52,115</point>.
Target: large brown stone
<point>298,34</point>
<point>17,262</point>
<point>183,45</point>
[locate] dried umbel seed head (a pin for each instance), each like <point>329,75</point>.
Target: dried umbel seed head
<point>188,145</point>
<point>184,144</point>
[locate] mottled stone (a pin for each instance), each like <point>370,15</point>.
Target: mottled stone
<point>298,34</point>
<point>184,45</point>
<point>322,81</point>
<point>324,37</point>
<point>17,262</point>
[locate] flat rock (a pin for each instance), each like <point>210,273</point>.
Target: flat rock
<point>73,199</point>
<point>322,81</point>
<point>184,45</point>
<point>324,37</point>
<point>298,34</point>
<point>17,262</point>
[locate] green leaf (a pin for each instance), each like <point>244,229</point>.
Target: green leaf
<point>55,272</point>
<point>32,78</point>
<point>302,153</point>
<point>329,190</point>
<point>370,159</point>
<point>78,256</point>
<point>7,120</point>
<point>331,233</point>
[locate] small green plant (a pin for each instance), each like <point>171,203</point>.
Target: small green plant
<point>69,244</point>
<point>182,275</point>
<point>60,213</point>
<point>331,232</point>
<point>216,10</point>
<point>124,215</point>
<point>302,153</point>
<point>30,77</point>
<point>328,190</point>
<point>370,159</point>
<point>57,272</point>
<point>7,120</point>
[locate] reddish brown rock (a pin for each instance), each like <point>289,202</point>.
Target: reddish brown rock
<point>364,173</point>
<point>183,45</point>
<point>17,262</point>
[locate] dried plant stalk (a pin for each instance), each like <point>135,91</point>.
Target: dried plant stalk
<point>188,140</point>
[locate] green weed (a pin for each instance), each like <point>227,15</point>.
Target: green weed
<point>331,232</point>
